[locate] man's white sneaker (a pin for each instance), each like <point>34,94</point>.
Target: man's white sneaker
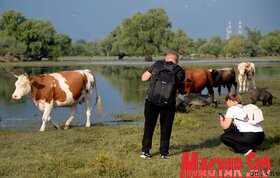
<point>145,155</point>
<point>165,156</point>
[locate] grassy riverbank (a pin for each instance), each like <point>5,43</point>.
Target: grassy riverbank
<point>114,151</point>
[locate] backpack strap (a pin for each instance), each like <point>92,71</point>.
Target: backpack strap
<point>177,69</point>
<point>163,67</point>
<point>246,118</point>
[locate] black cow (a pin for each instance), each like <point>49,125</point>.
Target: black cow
<point>224,77</point>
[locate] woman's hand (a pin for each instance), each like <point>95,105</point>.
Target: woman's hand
<point>225,123</point>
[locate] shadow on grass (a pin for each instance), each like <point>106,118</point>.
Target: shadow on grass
<point>269,142</point>
<point>211,143</point>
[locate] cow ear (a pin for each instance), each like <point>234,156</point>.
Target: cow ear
<point>16,76</point>
<point>252,71</point>
<point>31,80</point>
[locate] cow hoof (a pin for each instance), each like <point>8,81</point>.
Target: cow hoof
<point>66,127</point>
<point>88,126</point>
<point>57,127</point>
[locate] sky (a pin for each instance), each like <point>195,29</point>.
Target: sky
<point>94,19</point>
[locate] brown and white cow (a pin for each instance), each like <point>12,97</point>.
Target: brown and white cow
<point>245,73</point>
<point>224,77</point>
<point>62,89</point>
<point>196,80</point>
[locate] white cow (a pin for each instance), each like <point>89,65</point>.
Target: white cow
<point>62,89</point>
<point>245,73</point>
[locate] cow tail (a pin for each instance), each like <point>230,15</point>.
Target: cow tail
<point>98,101</point>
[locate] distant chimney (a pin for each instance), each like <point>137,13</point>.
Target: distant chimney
<point>228,30</point>
<point>239,27</point>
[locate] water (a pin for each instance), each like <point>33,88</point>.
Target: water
<point>120,87</point>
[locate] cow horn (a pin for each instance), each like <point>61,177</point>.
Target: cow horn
<point>16,76</point>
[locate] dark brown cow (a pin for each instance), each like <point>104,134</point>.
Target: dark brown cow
<point>196,80</point>
<point>224,77</point>
<point>67,89</point>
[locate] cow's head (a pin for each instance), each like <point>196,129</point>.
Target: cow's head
<point>215,76</point>
<point>23,87</point>
<point>250,70</point>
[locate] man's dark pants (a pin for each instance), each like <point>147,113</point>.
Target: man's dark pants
<point>152,112</point>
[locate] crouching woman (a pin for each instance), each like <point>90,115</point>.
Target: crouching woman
<point>245,137</point>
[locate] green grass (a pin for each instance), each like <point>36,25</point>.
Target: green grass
<point>114,151</point>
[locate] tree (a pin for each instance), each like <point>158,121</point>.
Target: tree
<point>9,22</point>
<point>144,34</point>
<point>38,36</point>
<point>252,41</point>
<point>64,43</point>
<point>179,42</point>
<point>235,46</point>
<point>31,38</point>
<point>91,48</point>
<point>78,48</point>
<point>196,45</point>
<point>213,47</point>
<point>110,45</point>
<point>270,43</point>
<point>9,45</point>
<point>253,35</point>
<point>210,49</point>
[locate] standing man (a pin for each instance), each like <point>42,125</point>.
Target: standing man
<point>165,76</point>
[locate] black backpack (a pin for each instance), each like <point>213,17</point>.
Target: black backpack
<point>163,85</point>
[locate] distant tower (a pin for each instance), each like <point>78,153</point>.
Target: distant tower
<point>228,30</point>
<point>239,27</point>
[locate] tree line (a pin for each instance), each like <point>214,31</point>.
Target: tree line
<point>143,34</point>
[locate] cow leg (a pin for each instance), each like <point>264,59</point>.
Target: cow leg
<point>235,86</point>
<point>88,110</point>
<point>228,87</point>
<point>53,123</point>
<point>210,91</point>
<point>253,81</point>
<point>71,117</point>
<point>246,84</point>
<point>240,83</point>
<point>46,116</point>
<point>219,90</point>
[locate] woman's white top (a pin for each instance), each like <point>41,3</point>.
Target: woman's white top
<point>236,111</point>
